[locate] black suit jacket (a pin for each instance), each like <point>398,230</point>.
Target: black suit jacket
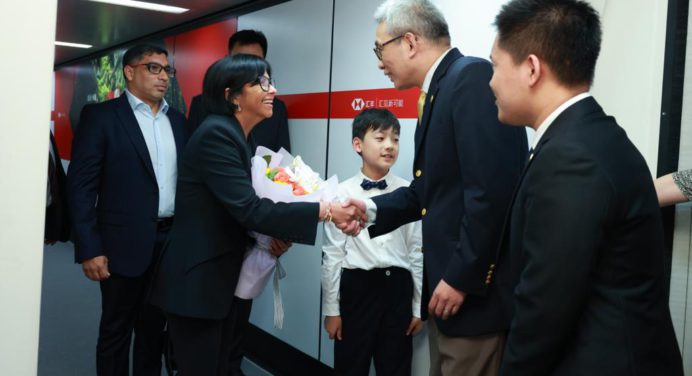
<point>216,206</point>
<point>586,255</point>
<point>57,225</point>
<point>112,188</point>
<point>465,167</point>
<point>271,133</point>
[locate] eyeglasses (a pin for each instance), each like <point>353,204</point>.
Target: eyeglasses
<point>379,47</point>
<point>265,82</point>
<point>156,68</point>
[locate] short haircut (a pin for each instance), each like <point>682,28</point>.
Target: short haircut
<point>374,119</point>
<point>245,37</point>
<point>566,34</point>
<point>135,53</point>
<point>419,17</point>
<point>231,72</point>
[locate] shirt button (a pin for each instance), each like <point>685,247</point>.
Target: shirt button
<point>422,212</point>
<point>419,173</point>
<point>387,273</point>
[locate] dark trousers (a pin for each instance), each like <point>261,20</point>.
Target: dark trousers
<point>240,315</point>
<point>124,309</point>
<point>376,311</point>
<point>201,347</point>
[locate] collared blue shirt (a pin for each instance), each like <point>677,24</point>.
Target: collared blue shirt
<point>158,136</point>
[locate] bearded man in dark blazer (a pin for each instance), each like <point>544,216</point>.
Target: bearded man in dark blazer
<point>121,184</point>
<point>583,242</point>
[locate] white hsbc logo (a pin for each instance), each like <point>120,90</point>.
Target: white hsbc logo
<point>358,104</point>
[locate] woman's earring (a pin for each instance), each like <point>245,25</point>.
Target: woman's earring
<point>239,109</point>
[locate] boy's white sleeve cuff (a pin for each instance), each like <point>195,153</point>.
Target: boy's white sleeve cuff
<point>331,309</point>
<point>370,210</point>
<point>416,309</point>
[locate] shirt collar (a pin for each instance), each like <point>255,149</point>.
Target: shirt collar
<point>431,71</point>
<point>362,175</point>
<point>553,115</point>
<point>136,103</point>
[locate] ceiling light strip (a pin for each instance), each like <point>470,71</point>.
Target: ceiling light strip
<point>144,5</point>
<point>76,45</point>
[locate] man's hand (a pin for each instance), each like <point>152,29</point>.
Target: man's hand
<point>415,326</point>
<point>96,269</point>
<point>333,326</point>
<point>445,300</point>
<point>350,216</point>
<point>279,247</point>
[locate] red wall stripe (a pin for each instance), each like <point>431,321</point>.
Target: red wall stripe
<point>347,104</point>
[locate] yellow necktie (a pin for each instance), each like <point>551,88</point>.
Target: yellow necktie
<point>421,105</point>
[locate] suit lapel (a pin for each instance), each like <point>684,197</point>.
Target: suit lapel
<point>571,116</point>
<point>440,72</point>
<point>129,122</point>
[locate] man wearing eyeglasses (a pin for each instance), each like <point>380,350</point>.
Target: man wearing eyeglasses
<point>121,184</point>
<point>466,165</point>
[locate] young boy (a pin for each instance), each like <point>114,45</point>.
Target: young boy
<point>372,287</point>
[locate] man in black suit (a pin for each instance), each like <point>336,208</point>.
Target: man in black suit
<point>121,183</point>
<point>584,237</point>
<point>57,225</point>
<point>465,166</point>
<point>271,133</point>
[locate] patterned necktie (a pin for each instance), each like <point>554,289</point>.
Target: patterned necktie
<point>421,105</point>
<point>369,184</point>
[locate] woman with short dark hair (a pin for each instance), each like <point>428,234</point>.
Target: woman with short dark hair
<point>216,207</point>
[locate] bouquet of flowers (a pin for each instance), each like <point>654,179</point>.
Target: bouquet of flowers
<point>281,178</point>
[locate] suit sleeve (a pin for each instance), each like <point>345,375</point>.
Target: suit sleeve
<point>83,179</point>
<point>223,171</point>
<point>282,138</point>
<point>395,209</point>
<point>196,115</point>
<point>564,214</point>
<point>490,156</point>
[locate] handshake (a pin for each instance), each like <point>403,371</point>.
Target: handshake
<point>349,216</point>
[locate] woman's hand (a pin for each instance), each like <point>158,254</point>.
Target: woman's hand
<point>278,247</point>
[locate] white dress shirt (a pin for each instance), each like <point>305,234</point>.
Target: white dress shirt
<point>400,248</point>
<point>540,131</point>
<point>158,136</point>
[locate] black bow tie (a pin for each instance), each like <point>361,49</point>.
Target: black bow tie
<point>369,184</point>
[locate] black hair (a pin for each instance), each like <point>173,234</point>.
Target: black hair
<point>231,72</point>
<point>566,34</point>
<point>135,53</point>
<point>245,37</point>
<point>374,119</point>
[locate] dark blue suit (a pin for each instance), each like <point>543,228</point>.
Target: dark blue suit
<point>113,194</point>
<point>112,187</point>
<point>465,167</point>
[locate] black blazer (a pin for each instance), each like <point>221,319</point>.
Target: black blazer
<point>586,255</point>
<point>465,167</point>
<point>57,225</point>
<point>216,206</point>
<point>113,193</point>
<point>271,133</point>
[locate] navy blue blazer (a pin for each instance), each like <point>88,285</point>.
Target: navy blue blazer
<point>465,167</point>
<point>113,194</point>
<point>584,247</point>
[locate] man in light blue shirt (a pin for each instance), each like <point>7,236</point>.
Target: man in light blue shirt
<point>121,184</point>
